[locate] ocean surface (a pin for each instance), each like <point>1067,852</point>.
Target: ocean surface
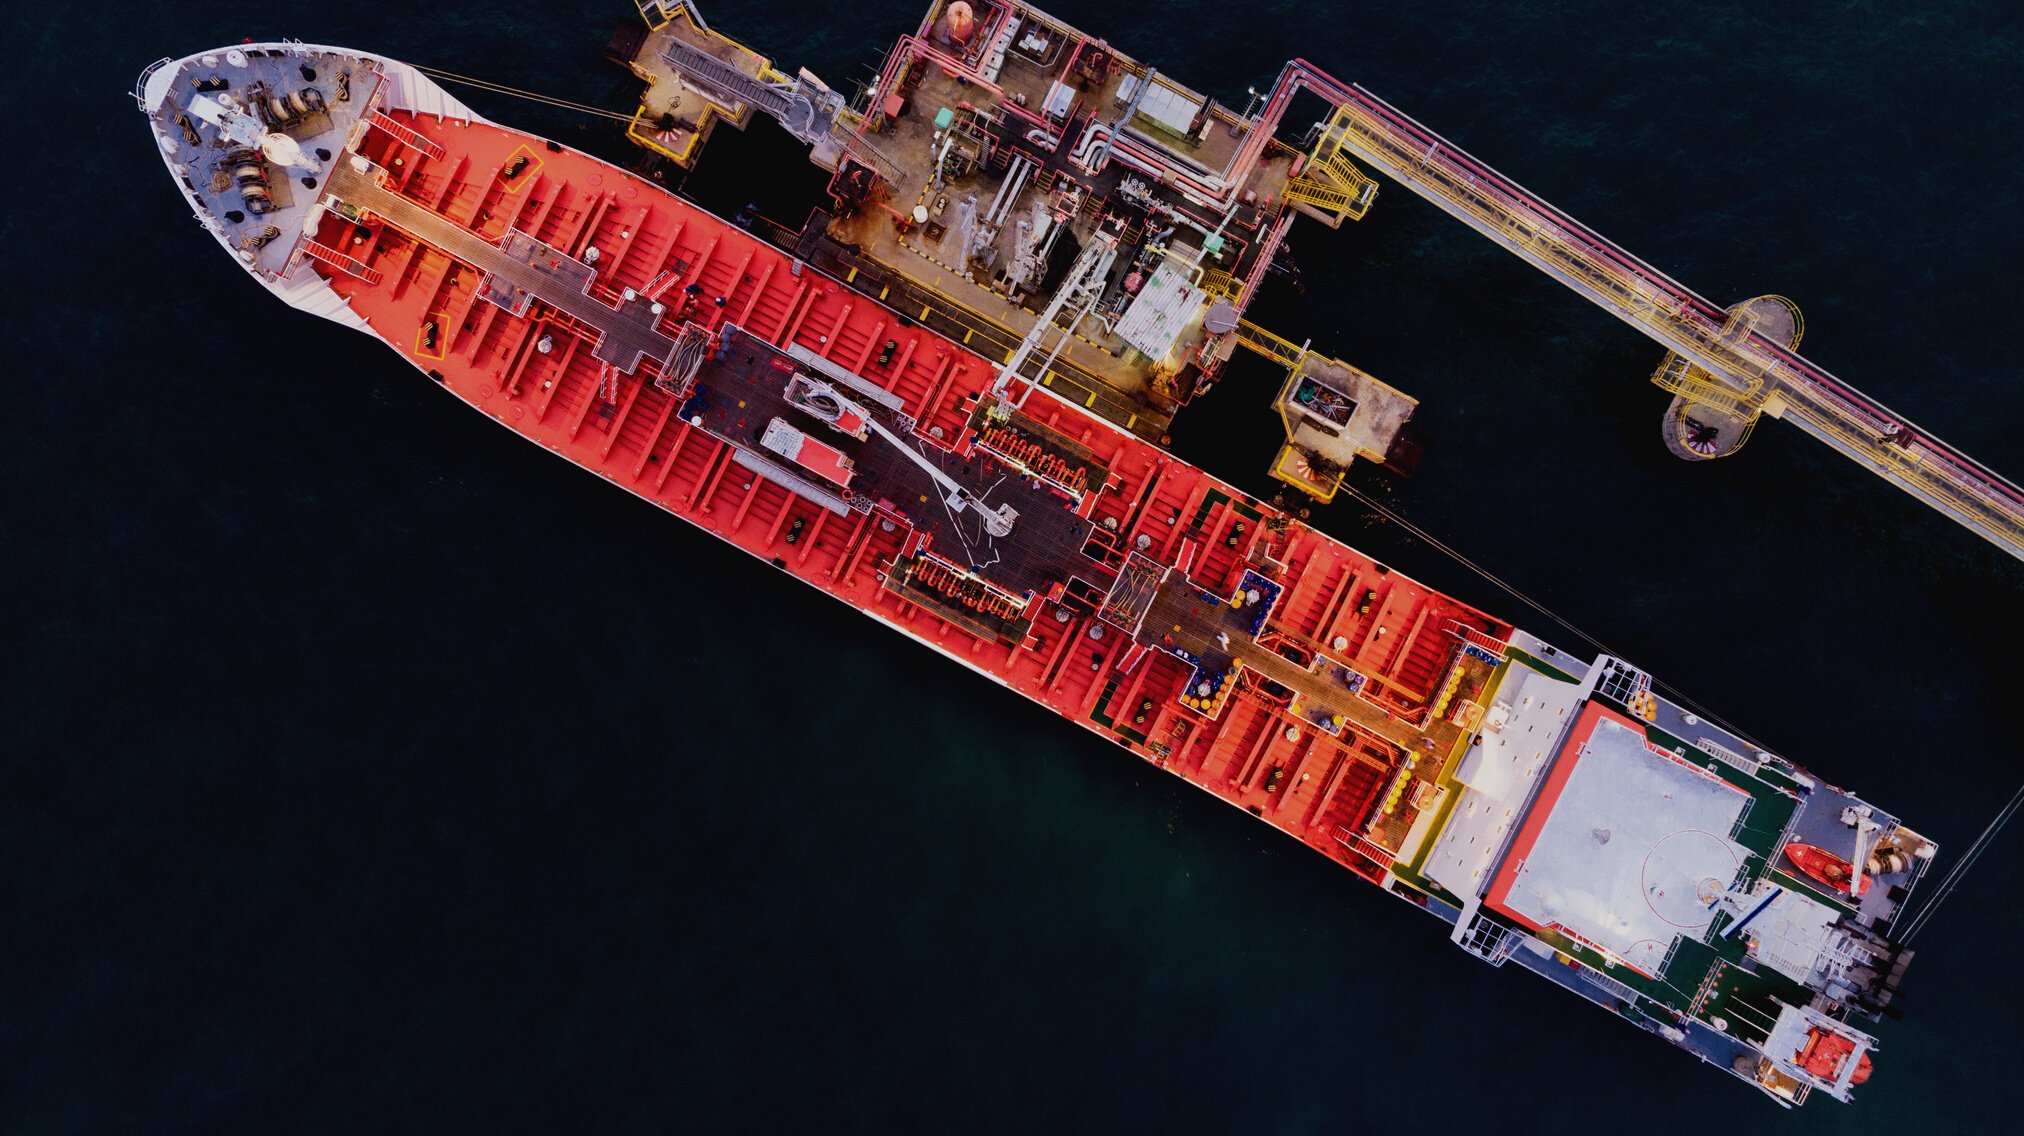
<point>364,769</point>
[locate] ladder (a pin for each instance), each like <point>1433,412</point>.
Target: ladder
<point>343,262</point>
<point>407,135</point>
<point>1332,185</point>
<point>660,285</point>
<point>1269,345</point>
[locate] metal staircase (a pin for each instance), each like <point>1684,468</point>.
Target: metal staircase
<point>406,136</point>
<point>782,98</point>
<point>1331,187</point>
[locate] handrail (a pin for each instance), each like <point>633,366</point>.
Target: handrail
<point>1720,363</point>
<point>141,84</point>
<point>1750,367</point>
<point>1265,343</point>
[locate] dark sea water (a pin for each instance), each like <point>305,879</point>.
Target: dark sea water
<point>369,770</point>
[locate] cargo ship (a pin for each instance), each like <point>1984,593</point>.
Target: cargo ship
<point>1551,811</point>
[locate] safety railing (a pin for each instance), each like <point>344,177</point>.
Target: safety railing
<point>1475,638</point>
<point>1272,346</point>
<point>1680,376</point>
<point>1329,163</point>
<point>1926,471</point>
<point>406,135</point>
<point>141,84</point>
<point>1321,195</point>
<point>1720,362</point>
<point>343,262</point>
<point>1217,282</point>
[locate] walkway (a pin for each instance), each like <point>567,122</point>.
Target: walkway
<point>1754,373</point>
<point>626,334</point>
<point>1182,613</point>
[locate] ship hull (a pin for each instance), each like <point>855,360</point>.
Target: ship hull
<point>647,341</point>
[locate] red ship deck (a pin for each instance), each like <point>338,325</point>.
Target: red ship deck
<point>1345,795</point>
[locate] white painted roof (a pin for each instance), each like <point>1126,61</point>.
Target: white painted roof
<point>1164,104</point>
<point>1634,852</point>
<point>1161,312</point>
<point>1521,731</point>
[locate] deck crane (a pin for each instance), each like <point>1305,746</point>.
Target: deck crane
<point>1079,291</point>
<point>1857,818</point>
<point>827,395</point>
<point>998,520</point>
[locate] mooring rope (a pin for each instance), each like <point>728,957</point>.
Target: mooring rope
<point>1955,874</point>
<point>1512,590</point>
<point>1947,883</point>
<point>502,89</point>
<point>1942,889</point>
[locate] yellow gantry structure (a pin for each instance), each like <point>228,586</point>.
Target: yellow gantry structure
<point>1718,360</point>
<point>1715,359</point>
<point>1330,185</point>
<point>1274,347</point>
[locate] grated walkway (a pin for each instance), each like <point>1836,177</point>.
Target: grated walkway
<point>626,334</point>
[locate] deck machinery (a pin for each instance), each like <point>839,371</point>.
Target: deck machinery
<point>1552,812</point>
<point>996,137</point>
<point>995,146</point>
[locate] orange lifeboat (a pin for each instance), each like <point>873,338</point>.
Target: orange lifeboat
<point>1825,1053</point>
<point>1825,866</point>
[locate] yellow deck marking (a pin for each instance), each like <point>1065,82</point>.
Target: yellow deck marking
<point>526,176</point>
<point>421,335</point>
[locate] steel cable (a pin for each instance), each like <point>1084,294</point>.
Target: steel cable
<point>1959,871</point>
<point>1454,554</point>
<point>502,89</point>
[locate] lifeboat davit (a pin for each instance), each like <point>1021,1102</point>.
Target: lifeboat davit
<point>1825,1053</point>
<point>1826,867</point>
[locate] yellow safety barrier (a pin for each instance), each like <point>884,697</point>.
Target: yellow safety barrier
<point>1269,345</point>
